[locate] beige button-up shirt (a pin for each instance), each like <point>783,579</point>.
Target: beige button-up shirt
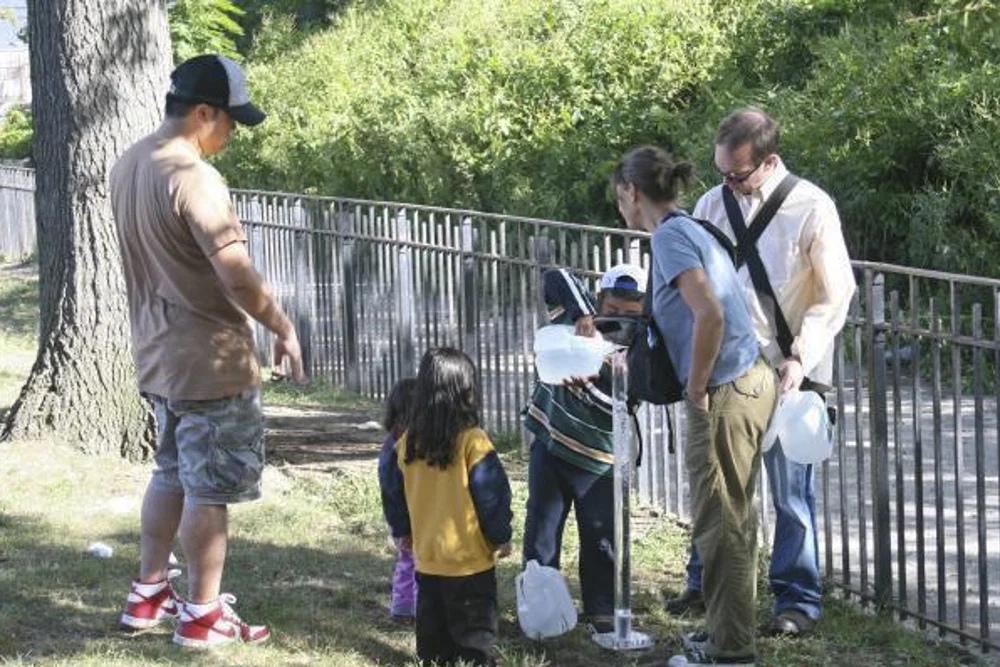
<point>806,259</point>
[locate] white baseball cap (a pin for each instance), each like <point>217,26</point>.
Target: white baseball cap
<point>624,276</point>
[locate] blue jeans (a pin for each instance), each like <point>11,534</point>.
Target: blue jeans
<point>555,485</point>
<point>795,578</point>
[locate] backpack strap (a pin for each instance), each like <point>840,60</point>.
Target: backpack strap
<point>714,231</point>
<point>748,253</point>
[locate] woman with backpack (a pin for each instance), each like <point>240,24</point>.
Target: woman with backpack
<point>698,306</point>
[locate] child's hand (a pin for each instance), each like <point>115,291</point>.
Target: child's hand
<point>580,383</point>
<point>503,550</point>
<point>585,326</point>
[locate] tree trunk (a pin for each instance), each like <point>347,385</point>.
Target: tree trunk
<point>99,72</point>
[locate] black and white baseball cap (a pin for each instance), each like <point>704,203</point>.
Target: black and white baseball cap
<point>217,81</point>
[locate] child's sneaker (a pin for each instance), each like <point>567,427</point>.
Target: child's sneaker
<point>148,604</point>
<point>207,626</point>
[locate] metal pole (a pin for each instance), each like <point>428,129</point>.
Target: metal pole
<point>470,302</point>
<point>349,318</point>
<point>623,638</point>
<point>881,516</point>
<point>405,298</point>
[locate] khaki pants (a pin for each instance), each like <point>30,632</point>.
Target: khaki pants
<point>723,462</point>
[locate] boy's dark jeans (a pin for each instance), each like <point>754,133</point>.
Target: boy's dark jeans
<point>457,618</point>
<point>553,487</point>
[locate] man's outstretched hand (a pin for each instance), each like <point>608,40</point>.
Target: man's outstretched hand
<point>286,346</point>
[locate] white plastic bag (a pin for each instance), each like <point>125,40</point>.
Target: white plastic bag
<point>801,424</point>
<point>544,606</point>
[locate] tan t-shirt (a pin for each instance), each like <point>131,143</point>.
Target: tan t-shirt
<point>173,212</point>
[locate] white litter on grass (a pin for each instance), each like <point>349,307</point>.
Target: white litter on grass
<point>121,505</point>
<point>173,559</point>
<point>100,550</point>
<point>369,426</point>
<point>275,482</point>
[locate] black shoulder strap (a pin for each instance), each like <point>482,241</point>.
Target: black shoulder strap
<point>721,237</point>
<point>747,252</point>
<point>716,233</point>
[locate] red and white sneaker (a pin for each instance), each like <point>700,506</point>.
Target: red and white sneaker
<point>148,604</point>
<point>217,626</point>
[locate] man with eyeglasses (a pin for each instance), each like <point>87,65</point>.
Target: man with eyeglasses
<point>802,255</point>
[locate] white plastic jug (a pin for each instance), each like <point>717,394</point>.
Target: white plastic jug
<point>544,606</point>
<point>560,354</point>
<point>802,426</point>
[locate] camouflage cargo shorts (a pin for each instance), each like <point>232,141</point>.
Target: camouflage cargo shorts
<point>211,451</point>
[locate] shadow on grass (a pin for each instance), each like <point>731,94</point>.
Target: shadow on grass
<point>59,602</point>
<point>19,300</point>
<point>64,605</point>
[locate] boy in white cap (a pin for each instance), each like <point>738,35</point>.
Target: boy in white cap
<point>572,453</point>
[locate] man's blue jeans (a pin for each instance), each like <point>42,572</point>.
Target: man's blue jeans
<point>795,579</point>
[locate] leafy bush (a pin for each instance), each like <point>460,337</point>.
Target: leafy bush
<point>898,121</point>
<point>204,26</point>
<point>513,106</point>
<point>15,134</point>
<point>306,16</point>
<point>522,106</point>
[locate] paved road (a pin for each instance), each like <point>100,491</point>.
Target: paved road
<point>951,513</point>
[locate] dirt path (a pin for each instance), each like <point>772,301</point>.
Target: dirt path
<point>313,438</point>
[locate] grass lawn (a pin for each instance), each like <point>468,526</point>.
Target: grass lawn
<point>18,327</point>
<point>312,558</point>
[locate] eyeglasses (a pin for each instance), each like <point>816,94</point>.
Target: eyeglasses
<point>739,176</point>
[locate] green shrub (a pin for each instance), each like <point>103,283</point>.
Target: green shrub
<point>522,106</point>
<point>15,134</point>
<point>514,106</point>
<point>899,121</point>
<point>306,16</point>
<point>204,26</point>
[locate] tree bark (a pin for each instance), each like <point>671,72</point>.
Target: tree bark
<point>99,72</point>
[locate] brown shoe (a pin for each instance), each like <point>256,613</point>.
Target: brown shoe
<point>689,601</point>
<point>792,623</point>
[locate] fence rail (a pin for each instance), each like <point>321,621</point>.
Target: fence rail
<point>909,505</point>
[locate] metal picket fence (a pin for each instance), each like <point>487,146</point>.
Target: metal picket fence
<point>909,504</point>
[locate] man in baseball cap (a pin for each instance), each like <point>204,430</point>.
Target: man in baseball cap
<point>192,290</point>
<point>218,82</point>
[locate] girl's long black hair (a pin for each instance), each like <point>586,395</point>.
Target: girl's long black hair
<point>446,402</point>
<point>399,407</point>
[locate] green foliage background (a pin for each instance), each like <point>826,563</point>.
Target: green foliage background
<point>205,26</point>
<point>16,130</point>
<point>523,106</point>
